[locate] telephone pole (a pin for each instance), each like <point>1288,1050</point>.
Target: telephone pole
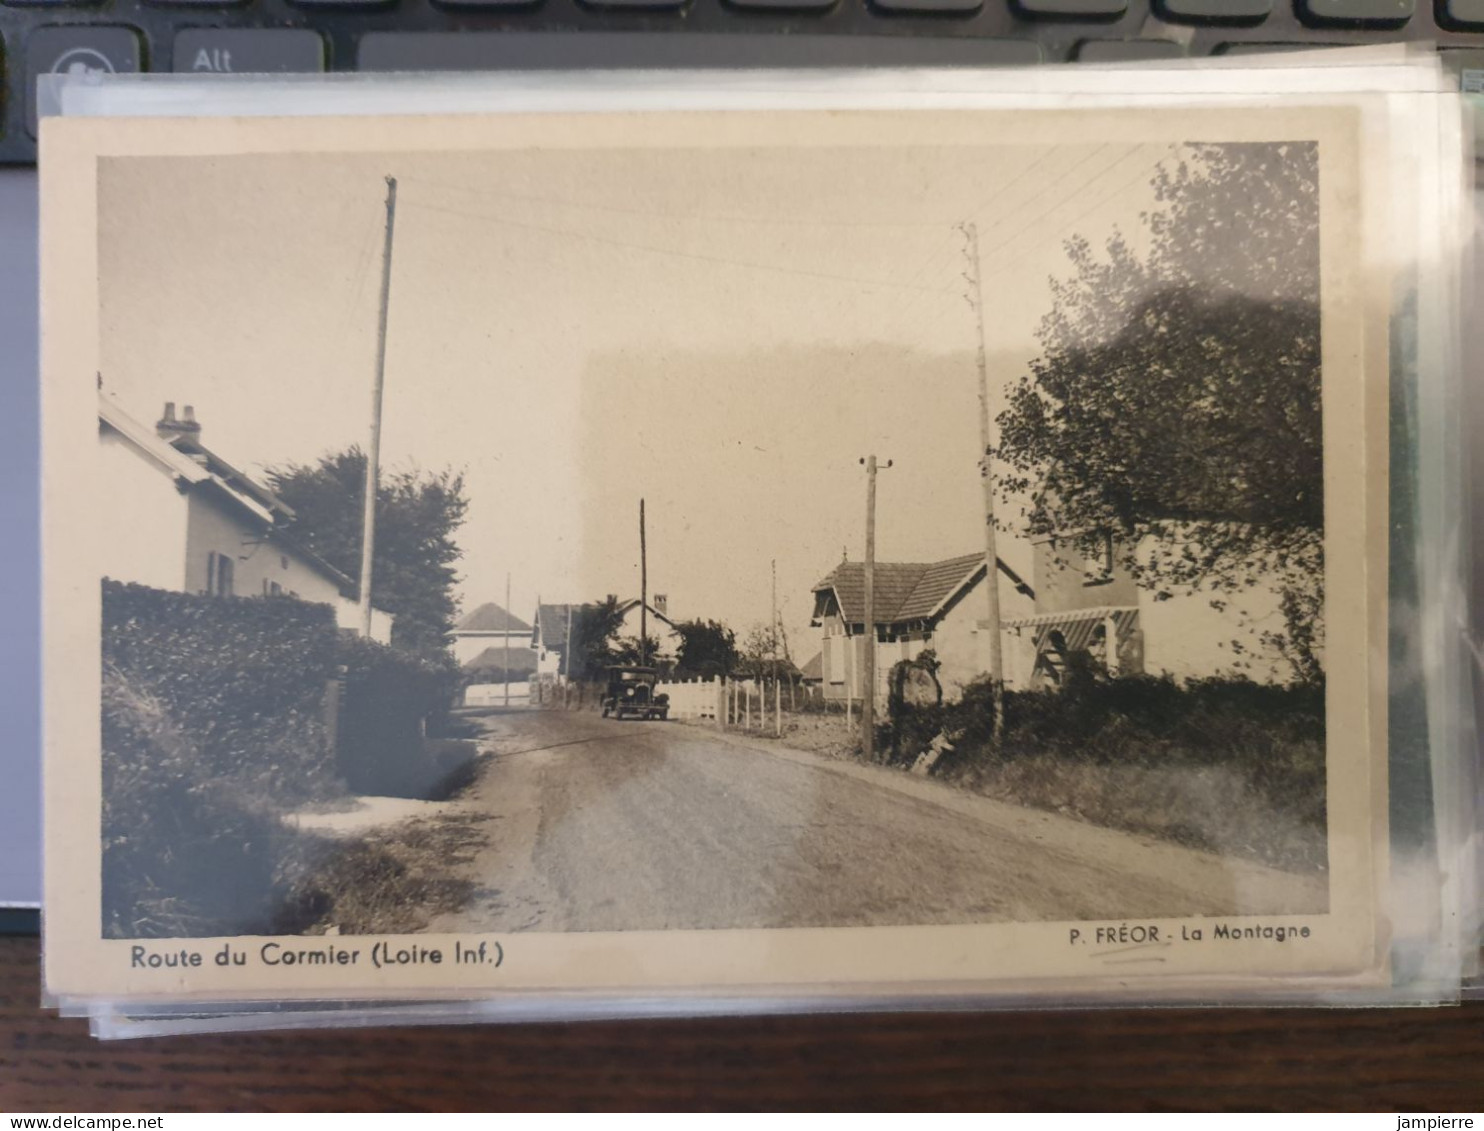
<point>868,660</point>
<point>373,453</point>
<point>507,640</point>
<point>773,641</point>
<point>986,476</point>
<point>643,591</point>
<point>566,648</point>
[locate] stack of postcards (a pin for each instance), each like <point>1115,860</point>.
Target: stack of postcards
<point>557,545</point>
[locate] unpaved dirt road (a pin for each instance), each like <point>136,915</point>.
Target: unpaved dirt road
<point>590,824</point>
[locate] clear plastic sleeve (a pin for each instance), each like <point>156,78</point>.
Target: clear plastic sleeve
<point>1367,596</point>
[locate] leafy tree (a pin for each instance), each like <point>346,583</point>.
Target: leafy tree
<point>417,515</point>
<point>626,651</point>
<point>707,648</point>
<point>760,649</point>
<point>1176,399</point>
<point>595,645</point>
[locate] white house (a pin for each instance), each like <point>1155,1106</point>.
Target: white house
<point>939,606</point>
<point>490,626</point>
<point>548,639</point>
<point>548,633</point>
<point>493,645</point>
<point>658,627</point>
<point>1088,601</point>
<point>1081,599</point>
<point>174,515</point>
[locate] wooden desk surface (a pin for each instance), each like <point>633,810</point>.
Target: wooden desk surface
<point>1400,1059</point>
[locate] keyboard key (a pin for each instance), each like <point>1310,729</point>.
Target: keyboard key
<point>474,5</point>
<point>77,49</point>
<point>1464,13</point>
<point>536,51</point>
<point>1068,9</point>
<point>229,51</point>
<point>784,5</point>
<point>1215,11</point>
<point>1127,50</point>
<point>907,7</point>
<point>637,5</point>
<point>1376,13</point>
<point>343,5</point>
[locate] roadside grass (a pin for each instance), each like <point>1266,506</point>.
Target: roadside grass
<point>1224,766</point>
<point>394,884</point>
<point>1210,808</point>
<point>1227,766</point>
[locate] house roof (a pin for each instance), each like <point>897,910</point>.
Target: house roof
<point>813,669</point>
<point>492,659</point>
<point>907,591</point>
<point>490,617</point>
<point>551,622</point>
<point>633,603</point>
<point>196,466</point>
<point>179,463</point>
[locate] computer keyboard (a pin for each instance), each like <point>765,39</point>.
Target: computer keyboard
<point>39,36</point>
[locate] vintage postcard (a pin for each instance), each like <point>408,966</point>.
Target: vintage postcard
<point>810,554</point>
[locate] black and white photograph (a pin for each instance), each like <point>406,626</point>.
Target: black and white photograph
<point>724,529</point>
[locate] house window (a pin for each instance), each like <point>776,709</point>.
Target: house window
<point>218,574</point>
<point>272,588</point>
<point>1097,560</point>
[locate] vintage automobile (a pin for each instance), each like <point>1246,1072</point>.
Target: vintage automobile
<point>631,691</point>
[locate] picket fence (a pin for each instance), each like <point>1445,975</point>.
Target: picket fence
<point>493,694</point>
<point>692,698</point>
<point>744,704</point>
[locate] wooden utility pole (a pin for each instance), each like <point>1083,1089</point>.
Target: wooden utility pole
<point>373,453</point>
<point>773,641</point>
<point>567,648</point>
<point>507,640</point>
<point>986,476</point>
<point>643,591</point>
<point>868,692</point>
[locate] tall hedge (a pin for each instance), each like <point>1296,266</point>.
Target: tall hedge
<point>243,677</point>
<point>214,724</point>
<point>389,696</point>
<point>184,853</point>
<point>245,680</point>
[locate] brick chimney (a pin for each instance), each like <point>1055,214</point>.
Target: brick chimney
<point>170,429</point>
<point>660,603</point>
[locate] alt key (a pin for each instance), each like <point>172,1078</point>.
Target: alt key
<point>235,51</point>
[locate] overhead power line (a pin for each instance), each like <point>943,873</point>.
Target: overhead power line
<point>674,253</point>
<point>673,217</point>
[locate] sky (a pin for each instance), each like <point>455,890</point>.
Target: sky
<point>725,333</point>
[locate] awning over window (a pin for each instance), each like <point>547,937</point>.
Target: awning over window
<point>1077,625</point>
